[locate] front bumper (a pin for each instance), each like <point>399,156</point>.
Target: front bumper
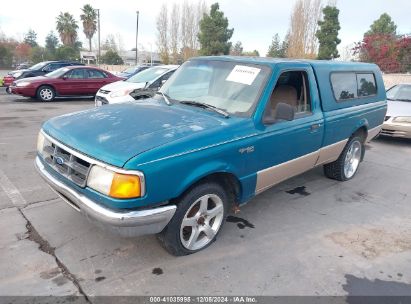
<point>104,99</point>
<point>23,91</point>
<point>127,223</point>
<point>396,129</point>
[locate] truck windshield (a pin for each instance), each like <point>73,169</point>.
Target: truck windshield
<point>231,86</point>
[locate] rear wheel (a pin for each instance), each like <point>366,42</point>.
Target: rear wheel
<point>46,93</point>
<point>8,90</point>
<point>345,167</point>
<point>199,218</point>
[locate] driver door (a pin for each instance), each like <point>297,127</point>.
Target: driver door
<point>288,148</point>
<point>73,83</point>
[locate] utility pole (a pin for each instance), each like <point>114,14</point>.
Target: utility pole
<point>137,38</point>
<point>99,51</point>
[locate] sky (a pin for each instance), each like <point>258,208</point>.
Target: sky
<point>254,21</point>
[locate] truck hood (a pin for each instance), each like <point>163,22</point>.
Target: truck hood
<point>114,134</point>
<point>123,85</point>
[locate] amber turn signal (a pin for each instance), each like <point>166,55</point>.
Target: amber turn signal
<point>125,186</point>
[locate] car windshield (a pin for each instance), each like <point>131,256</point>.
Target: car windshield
<point>400,92</point>
<point>147,75</point>
<point>231,86</point>
<point>38,66</point>
<point>130,70</point>
<point>57,73</point>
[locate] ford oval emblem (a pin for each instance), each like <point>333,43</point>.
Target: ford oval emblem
<point>59,160</point>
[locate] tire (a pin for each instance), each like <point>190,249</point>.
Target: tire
<point>46,93</point>
<point>8,90</point>
<point>346,166</point>
<point>203,209</point>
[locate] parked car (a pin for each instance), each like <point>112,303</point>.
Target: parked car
<point>220,131</point>
<point>67,81</point>
<point>38,69</point>
<point>398,120</point>
<point>148,80</point>
<point>131,71</point>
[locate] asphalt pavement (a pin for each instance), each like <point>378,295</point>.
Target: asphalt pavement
<point>307,236</point>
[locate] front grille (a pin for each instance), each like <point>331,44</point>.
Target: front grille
<point>386,118</point>
<point>104,91</point>
<point>103,100</point>
<point>65,163</point>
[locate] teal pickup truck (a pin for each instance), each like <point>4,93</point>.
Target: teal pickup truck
<point>220,131</point>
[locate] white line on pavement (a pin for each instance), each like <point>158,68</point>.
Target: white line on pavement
<point>11,191</point>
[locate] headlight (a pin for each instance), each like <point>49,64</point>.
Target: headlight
<point>114,184</point>
<point>40,143</point>
<point>406,119</point>
<point>18,74</point>
<point>22,84</point>
<point>121,93</point>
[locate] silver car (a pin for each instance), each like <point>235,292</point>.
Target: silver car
<point>398,118</point>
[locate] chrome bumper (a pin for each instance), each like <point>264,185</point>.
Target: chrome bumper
<point>125,223</point>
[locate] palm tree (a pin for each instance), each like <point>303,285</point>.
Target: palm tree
<point>89,18</point>
<point>67,28</point>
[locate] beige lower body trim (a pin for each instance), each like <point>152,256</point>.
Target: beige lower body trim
<point>276,174</point>
<point>271,176</point>
<point>373,132</point>
<point>331,153</point>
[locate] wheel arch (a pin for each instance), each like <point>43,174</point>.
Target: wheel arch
<point>228,180</point>
<point>46,85</point>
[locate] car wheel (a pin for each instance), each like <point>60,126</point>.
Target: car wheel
<point>345,167</point>
<point>8,90</point>
<point>46,93</point>
<point>199,217</point>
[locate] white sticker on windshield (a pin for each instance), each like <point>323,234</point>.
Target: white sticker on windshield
<point>243,74</point>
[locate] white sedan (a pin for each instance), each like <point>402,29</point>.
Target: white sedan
<point>398,119</point>
<point>151,79</point>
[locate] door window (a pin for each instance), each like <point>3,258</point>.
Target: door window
<point>77,74</point>
<point>292,88</point>
<point>95,74</point>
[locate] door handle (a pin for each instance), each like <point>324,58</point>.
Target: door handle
<point>315,127</point>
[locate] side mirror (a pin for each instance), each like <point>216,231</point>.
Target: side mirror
<point>163,82</point>
<point>283,111</point>
<point>64,77</point>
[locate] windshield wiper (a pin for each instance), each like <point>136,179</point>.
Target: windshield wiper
<point>165,97</point>
<point>205,106</point>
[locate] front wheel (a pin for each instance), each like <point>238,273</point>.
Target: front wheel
<point>46,93</point>
<point>345,167</point>
<point>199,218</point>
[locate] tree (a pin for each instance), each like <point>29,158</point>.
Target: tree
<point>111,57</point>
<point>383,25</point>
<point>382,46</point>
<point>38,54</point>
<point>214,33</point>
<point>174,33</point>
<point>30,38</point>
<point>254,53</point>
<point>162,36</point>
<point>327,34</point>
<point>65,52</point>
<point>22,52</point>
<point>67,28</point>
<point>110,43</point>
<point>237,49</point>
<point>277,49</point>
<point>51,45</point>
<point>89,18</point>
<point>302,41</point>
